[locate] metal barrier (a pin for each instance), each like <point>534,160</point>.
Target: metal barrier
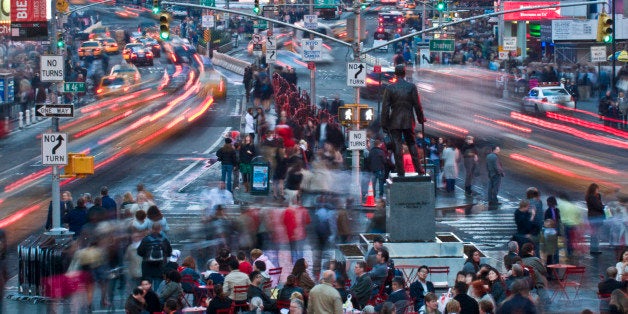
<point>230,63</point>
<point>40,257</point>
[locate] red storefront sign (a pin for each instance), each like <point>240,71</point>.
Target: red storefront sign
<point>531,15</point>
<point>28,11</point>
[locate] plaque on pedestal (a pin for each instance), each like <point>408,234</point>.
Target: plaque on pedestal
<point>410,210</point>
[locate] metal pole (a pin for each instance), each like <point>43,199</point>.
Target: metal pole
<point>613,46</point>
<point>313,70</point>
<point>423,18</point>
<point>355,154</point>
<point>56,194</point>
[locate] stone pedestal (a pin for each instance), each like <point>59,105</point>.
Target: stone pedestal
<point>410,209</point>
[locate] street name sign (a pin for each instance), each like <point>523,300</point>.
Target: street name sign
<point>66,111</point>
<point>510,43</point>
<point>74,87</point>
<point>356,74</point>
<point>310,21</point>
<point>357,140</point>
<point>51,69</point>
<point>312,49</point>
<point>269,8</point>
<point>271,56</point>
<point>54,149</point>
<point>598,53</point>
<point>442,45</point>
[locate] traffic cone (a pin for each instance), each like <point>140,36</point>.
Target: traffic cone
<point>370,197</point>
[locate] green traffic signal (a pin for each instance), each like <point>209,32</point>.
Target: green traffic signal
<point>441,6</point>
<point>60,42</point>
<point>164,26</point>
<point>156,6</point>
<point>164,35</point>
<point>256,10</point>
<point>608,39</point>
<point>155,10</point>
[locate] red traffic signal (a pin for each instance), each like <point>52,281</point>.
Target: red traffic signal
<point>377,69</point>
<point>311,65</point>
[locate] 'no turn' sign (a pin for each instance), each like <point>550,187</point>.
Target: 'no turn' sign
<point>51,69</point>
<point>54,149</point>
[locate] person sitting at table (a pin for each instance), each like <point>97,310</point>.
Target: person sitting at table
<point>421,287</point>
<point>220,302</point>
<point>191,279</point>
<point>540,271</point>
<point>619,299</point>
<point>288,288</point>
<point>260,266</point>
<point>212,275</point>
<point>610,283</point>
<point>622,265</point>
<point>517,272</point>
<point>255,291</point>
<point>303,278</point>
<point>256,306</point>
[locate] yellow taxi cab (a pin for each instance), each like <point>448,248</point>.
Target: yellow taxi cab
<point>128,49</point>
<point>128,71</point>
<point>110,45</point>
<point>212,82</point>
<point>113,85</point>
<point>90,48</point>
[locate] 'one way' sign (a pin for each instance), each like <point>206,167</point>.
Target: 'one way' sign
<point>356,74</point>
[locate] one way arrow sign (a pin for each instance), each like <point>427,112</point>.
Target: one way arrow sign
<point>271,55</point>
<point>54,111</point>
<point>356,74</point>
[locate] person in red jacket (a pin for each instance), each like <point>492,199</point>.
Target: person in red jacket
<point>295,219</point>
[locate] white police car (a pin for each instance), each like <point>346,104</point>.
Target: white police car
<point>547,97</point>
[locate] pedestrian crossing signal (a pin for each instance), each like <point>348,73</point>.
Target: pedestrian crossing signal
<point>345,115</point>
<point>367,115</point>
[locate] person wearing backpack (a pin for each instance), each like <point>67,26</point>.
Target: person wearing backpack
<point>154,249</point>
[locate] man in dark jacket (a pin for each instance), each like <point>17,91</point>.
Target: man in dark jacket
<point>519,302</point>
<point>421,287</point>
<point>376,163</point>
<point>108,203</point>
<point>363,286</point>
<point>495,174</point>
<point>153,260</point>
<point>401,105</point>
<point>468,305</point>
<point>398,296</point>
<point>76,217</point>
<point>610,283</point>
<point>255,291</point>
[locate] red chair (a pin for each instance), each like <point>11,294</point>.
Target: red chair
<point>573,277</point>
<point>605,299</point>
<point>224,311</point>
<point>439,270</point>
<point>410,273</point>
<point>240,305</point>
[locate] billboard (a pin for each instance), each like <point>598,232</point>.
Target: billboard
<point>531,15</point>
<point>28,20</point>
<point>5,17</point>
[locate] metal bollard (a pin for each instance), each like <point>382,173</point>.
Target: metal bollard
<point>35,117</point>
<point>6,125</point>
<point>20,119</point>
<point>28,117</point>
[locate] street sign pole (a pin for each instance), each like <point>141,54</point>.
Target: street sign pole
<point>355,154</point>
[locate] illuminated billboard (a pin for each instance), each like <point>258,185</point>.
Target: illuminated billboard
<point>531,15</point>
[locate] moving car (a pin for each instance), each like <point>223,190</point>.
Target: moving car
<point>547,97</point>
<point>129,71</point>
<point>90,48</point>
<point>126,53</point>
<point>141,55</point>
<point>110,45</point>
<point>113,85</point>
<point>152,44</point>
<point>180,53</point>
<point>212,82</point>
<point>373,88</point>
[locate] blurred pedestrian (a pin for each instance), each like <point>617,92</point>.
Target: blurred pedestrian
<point>3,265</point>
<point>470,160</point>
<point>595,209</point>
<point>247,153</point>
<point>65,206</point>
<point>451,157</point>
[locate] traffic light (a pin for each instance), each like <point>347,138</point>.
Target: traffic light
<point>164,26</point>
<point>256,8</point>
<point>60,42</point>
<point>604,28</point>
<point>156,6</point>
<point>441,6</point>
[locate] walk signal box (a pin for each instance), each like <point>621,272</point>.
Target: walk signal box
<point>347,117</point>
<point>78,165</point>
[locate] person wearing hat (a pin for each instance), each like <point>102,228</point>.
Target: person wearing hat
<point>401,105</point>
<point>371,256</point>
<point>228,158</point>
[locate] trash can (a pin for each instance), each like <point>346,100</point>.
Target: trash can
<point>41,257</point>
<point>261,176</point>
